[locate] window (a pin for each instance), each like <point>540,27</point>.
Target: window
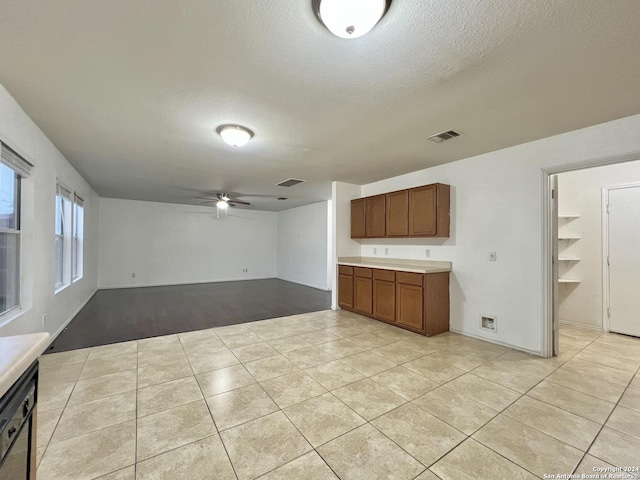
<point>12,169</point>
<point>62,246</point>
<point>78,235</point>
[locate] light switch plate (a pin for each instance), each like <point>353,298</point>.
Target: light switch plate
<point>493,257</point>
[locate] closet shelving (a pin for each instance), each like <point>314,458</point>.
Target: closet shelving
<point>568,258</point>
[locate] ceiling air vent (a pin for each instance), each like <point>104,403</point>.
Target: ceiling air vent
<point>442,136</point>
<point>289,183</point>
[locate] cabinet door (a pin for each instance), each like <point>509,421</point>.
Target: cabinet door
<point>375,216</point>
<point>362,295</point>
<point>384,300</point>
<point>397,214</point>
<point>345,291</point>
<point>409,306</point>
<point>422,211</point>
<point>358,218</point>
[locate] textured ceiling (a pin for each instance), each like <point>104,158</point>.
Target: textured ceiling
<point>131,91</point>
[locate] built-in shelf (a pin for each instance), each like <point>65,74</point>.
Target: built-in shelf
<point>568,216</point>
<point>569,259</point>
<point>568,280</point>
<point>568,237</point>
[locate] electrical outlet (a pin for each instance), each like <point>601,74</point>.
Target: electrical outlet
<point>493,257</point>
<point>133,275</point>
<point>427,252</point>
<point>375,251</point>
<point>245,270</point>
<point>386,251</point>
<point>44,320</point>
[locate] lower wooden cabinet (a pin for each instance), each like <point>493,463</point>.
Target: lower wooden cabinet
<point>416,302</point>
<point>409,306</point>
<point>345,291</point>
<point>384,300</point>
<point>362,295</point>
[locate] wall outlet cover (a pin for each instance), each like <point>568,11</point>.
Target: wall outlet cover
<point>489,323</point>
<point>493,256</point>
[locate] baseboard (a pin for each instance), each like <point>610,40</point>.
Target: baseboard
<point>304,283</point>
<point>496,342</point>
<point>173,284</point>
<point>580,325</point>
<point>73,315</point>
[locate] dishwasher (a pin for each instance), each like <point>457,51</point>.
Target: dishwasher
<point>17,428</point>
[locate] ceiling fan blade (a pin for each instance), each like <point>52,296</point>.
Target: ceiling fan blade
<point>206,198</point>
<point>240,202</point>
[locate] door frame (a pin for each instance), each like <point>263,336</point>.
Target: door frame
<point>550,320</point>
<point>606,300</point>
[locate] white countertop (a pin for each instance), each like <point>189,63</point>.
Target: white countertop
<point>17,354</point>
<point>400,264</point>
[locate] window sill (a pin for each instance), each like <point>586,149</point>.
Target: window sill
<point>13,314</point>
<point>77,279</point>
<point>61,288</point>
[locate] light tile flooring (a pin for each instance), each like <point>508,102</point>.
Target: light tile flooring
<point>334,395</point>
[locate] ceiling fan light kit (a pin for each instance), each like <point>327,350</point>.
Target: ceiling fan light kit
<point>350,18</point>
<point>235,135</point>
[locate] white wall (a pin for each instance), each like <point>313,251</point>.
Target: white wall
<point>580,193</point>
<point>168,244</point>
<point>341,243</point>
<point>38,210</point>
<point>497,206</point>
<point>303,245</point>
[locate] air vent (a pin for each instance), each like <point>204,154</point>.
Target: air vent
<point>289,183</point>
<point>442,136</point>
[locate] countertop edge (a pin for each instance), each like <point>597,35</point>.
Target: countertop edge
<point>399,268</point>
<point>24,358</point>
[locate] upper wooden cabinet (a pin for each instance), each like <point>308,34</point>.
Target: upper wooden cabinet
<point>429,211</point>
<point>375,216</point>
<point>415,212</point>
<point>397,204</point>
<point>358,218</point>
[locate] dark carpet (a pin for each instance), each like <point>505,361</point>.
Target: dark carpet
<point>121,315</point>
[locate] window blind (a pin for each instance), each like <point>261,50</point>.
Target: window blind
<point>63,192</point>
<point>14,161</point>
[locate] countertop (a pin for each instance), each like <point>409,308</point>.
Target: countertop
<point>17,354</point>
<point>400,264</point>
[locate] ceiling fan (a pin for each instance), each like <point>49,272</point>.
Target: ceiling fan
<point>222,201</point>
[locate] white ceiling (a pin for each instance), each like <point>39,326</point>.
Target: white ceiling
<point>131,90</point>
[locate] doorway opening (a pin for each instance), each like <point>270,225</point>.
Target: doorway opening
<point>592,227</point>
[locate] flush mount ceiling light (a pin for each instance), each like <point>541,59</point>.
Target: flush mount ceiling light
<point>235,135</point>
<point>350,18</point>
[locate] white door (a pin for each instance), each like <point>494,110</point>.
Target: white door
<point>624,260</point>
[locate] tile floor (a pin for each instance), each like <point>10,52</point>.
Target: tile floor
<point>333,395</point>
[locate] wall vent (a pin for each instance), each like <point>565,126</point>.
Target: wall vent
<point>489,323</point>
<point>289,182</point>
<point>442,136</point>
